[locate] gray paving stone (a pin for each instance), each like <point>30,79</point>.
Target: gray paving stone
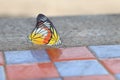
<point>2,73</point>
<point>117,76</point>
<point>106,51</point>
<point>80,68</point>
<point>27,56</point>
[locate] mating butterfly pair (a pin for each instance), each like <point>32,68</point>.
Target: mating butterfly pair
<point>44,32</point>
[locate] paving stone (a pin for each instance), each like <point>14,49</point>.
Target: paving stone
<point>64,54</point>
<point>100,77</point>
<point>31,71</point>
<point>113,65</point>
<point>80,68</point>
<point>106,51</point>
<point>2,73</point>
<point>2,62</point>
<point>28,56</point>
<point>117,76</point>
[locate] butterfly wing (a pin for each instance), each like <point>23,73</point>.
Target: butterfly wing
<point>40,36</point>
<point>55,39</point>
<point>44,32</point>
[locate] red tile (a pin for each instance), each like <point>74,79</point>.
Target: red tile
<point>113,65</point>
<point>31,71</point>
<point>102,77</point>
<point>76,53</point>
<point>1,59</point>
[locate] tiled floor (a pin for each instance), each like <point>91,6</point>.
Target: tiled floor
<point>76,63</point>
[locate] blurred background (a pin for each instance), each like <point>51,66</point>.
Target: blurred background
<point>58,7</point>
<point>79,22</point>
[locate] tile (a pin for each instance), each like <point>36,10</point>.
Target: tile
<point>117,76</point>
<point>106,51</point>
<point>2,73</point>
<point>1,59</point>
<point>31,71</point>
<point>100,77</point>
<point>113,65</point>
<point>80,68</point>
<point>76,53</point>
<point>52,79</point>
<point>43,79</point>
<point>28,56</point>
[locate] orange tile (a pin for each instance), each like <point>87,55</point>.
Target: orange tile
<point>76,53</point>
<point>1,59</point>
<point>102,77</point>
<point>31,71</point>
<point>113,65</point>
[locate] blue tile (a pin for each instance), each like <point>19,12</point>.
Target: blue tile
<point>2,73</point>
<point>107,51</point>
<point>18,57</point>
<point>80,68</point>
<point>117,76</point>
<point>45,79</point>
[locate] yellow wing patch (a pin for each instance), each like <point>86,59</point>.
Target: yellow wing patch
<point>38,36</point>
<point>55,37</point>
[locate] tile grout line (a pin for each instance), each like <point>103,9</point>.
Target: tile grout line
<point>97,58</point>
<point>54,65</point>
<point>53,62</point>
<point>57,70</point>
<point>110,72</point>
<point>5,72</point>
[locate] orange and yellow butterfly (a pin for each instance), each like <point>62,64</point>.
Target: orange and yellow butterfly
<point>44,33</point>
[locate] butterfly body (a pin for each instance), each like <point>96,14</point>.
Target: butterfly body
<point>44,33</point>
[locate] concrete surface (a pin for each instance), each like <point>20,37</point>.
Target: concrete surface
<point>74,31</point>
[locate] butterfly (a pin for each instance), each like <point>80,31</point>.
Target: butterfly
<point>44,32</point>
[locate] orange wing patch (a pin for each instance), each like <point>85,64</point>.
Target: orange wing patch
<point>40,36</point>
<point>48,36</point>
